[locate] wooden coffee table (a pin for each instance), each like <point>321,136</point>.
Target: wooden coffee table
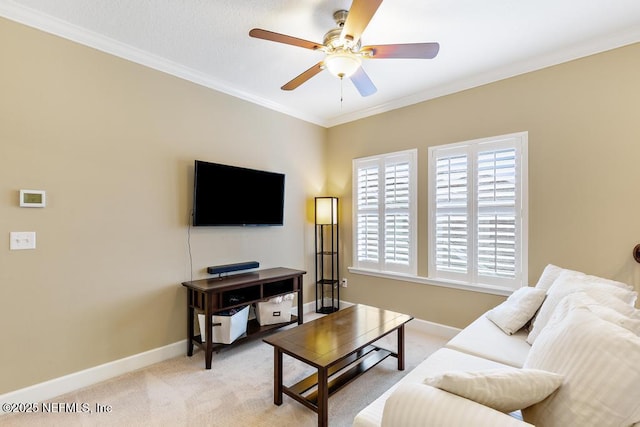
<point>340,346</point>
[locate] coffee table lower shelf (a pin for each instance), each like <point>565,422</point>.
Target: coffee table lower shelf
<point>340,374</point>
<point>341,346</point>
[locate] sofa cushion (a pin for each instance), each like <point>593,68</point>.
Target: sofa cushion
<point>419,405</point>
<point>628,319</point>
<point>568,283</point>
<point>602,281</point>
<point>551,273</point>
<point>517,310</point>
<point>442,360</point>
<point>600,362</point>
<point>548,276</point>
<point>609,301</point>
<point>484,339</point>
<point>505,390</point>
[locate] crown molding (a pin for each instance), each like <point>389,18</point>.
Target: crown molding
<point>568,54</point>
<point>36,19</point>
<point>47,23</point>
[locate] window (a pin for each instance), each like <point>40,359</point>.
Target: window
<point>478,212</point>
<point>384,209</point>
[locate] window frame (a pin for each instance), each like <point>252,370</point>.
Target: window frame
<point>381,162</point>
<point>471,148</point>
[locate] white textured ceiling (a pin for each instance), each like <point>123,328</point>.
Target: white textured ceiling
<point>207,41</point>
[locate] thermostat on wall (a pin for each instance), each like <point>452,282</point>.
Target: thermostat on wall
<point>33,198</point>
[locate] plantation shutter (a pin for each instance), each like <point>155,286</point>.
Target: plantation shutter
<point>496,201</point>
<point>368,215</point>
<point>452,234</point>
<point>397,236</point>
<point>477,212</point>
<point>384,212</point>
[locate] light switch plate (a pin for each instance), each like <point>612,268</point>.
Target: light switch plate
<point>19,240</point>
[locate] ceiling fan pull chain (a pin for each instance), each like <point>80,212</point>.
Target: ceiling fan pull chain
<point>341,91</point>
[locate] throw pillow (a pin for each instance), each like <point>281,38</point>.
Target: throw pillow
<point>505,390</point>
<point>584,300</point>
<point>548,276</point>
<point>602,281</point>
<point>612,302</point>
<point>600,363</point>
<point>419,405</point>
<point>517,310</point>
<point>568,283</point>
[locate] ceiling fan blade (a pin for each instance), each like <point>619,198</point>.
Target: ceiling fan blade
<point>282,38</point>
<point>358,18</point>
<point>363,83</point>
<point>297,81</point>
<point>408,50</point>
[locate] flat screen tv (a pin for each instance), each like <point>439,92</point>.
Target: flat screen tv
<point>233,196</point>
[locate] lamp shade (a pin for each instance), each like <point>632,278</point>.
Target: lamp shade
<point>326,210</point>
<point>342,63</point>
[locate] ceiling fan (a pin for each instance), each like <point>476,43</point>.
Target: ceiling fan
<point>343,50</point>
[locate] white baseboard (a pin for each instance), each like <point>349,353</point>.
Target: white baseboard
<point>68,383</point>
<point>420,325</point>
<point>433,328</point>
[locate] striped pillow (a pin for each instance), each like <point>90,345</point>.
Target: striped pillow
<point>517,310</point>
<point>601,364</point>
<point>419,405</point>
<point>505,390</point>
<point>626,316</point>
<point>568,283</point>
<point>548,276</point>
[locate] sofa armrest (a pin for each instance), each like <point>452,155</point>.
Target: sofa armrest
<point>419,405</point>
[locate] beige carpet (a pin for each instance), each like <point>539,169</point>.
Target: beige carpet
<point>237,391</point>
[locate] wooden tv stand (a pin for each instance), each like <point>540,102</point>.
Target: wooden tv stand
<point>222,293</point>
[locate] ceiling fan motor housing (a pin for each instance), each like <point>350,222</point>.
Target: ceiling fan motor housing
<point>332,39</point>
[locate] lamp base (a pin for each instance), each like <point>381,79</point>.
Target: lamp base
<point>327,310</point>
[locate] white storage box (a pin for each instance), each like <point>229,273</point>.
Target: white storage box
<point>231,328</point>
<point>276,310</point>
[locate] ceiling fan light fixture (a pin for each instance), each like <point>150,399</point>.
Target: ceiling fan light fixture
<point>343,50</point>
<point>342,63</point>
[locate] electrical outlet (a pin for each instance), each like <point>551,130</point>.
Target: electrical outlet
<point>22,240</point>
<point>343,283</point>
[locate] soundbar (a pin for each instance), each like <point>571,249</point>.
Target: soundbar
<point>227,268</point>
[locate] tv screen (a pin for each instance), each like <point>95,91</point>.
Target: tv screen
<point>233,196</point>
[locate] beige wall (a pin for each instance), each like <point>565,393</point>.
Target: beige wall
<point>584,149</point>
<point>113,144</point>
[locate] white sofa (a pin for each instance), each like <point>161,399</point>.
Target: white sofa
<point>565,352</point>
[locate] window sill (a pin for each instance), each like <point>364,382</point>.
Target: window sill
<point>485,289</point>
